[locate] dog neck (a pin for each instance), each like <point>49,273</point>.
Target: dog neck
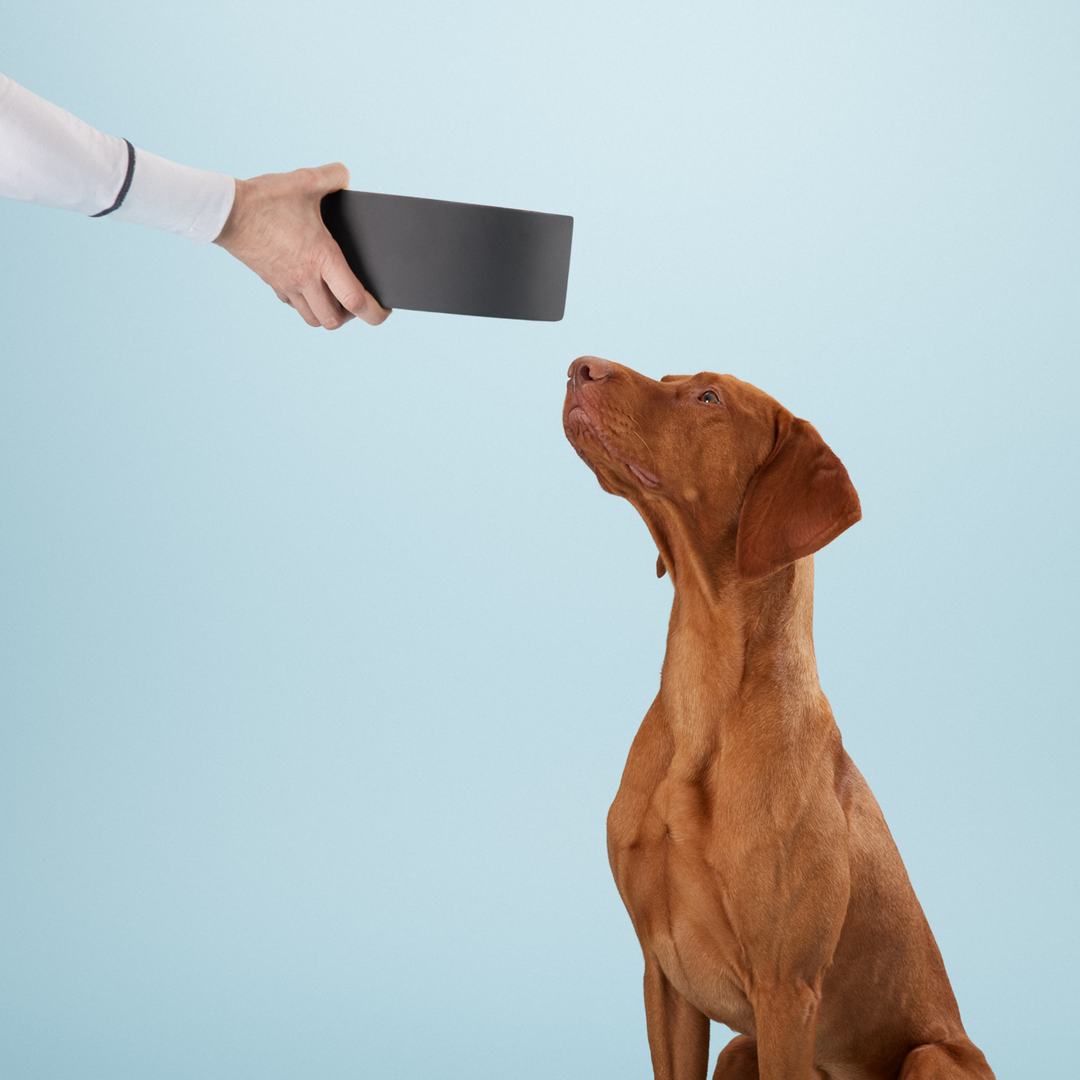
<point>739,642</point>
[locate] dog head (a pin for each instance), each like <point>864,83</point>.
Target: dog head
<point>717,468</point>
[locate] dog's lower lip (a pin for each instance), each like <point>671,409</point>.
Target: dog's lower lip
<point>643,475</point>
<point>578,418</point>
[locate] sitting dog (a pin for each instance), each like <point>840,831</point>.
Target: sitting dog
<point>765,888</point>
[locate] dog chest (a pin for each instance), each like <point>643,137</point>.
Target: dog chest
<point>675,902</point>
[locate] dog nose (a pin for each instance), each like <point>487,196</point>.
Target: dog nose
<point>590,369</point>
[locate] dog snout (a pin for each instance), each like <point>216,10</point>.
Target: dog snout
<point>590,369</point>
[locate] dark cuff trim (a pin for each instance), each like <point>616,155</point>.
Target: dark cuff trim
<point>127,183</point>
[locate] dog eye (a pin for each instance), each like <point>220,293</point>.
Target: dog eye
<point>710,397</point>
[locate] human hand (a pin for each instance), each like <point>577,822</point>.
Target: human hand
<point>276,229</point>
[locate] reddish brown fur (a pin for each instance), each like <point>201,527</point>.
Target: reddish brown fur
<point>762,881</point>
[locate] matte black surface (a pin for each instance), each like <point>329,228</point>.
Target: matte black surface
<point>459,258</point>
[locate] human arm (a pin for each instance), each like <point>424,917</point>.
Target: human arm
<point>53,158</point>
<point>271,223</point>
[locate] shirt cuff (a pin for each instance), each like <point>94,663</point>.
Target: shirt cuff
<point>177,198</point>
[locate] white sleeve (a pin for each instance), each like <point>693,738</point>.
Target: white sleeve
<point>49,157</point>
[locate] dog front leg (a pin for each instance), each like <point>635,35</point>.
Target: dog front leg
<point>786,1018</point>
<point>678,1033</point>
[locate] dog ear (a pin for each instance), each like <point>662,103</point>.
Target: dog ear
<point>798,501</point>
<point>661,569</point>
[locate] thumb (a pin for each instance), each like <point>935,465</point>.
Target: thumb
<point>331,177</point>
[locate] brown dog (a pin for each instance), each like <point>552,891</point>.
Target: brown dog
<point>762,881</point>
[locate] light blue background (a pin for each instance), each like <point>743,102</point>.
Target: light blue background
<point>322,652</point>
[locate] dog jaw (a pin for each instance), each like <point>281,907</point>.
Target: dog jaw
<point>586,431</point>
